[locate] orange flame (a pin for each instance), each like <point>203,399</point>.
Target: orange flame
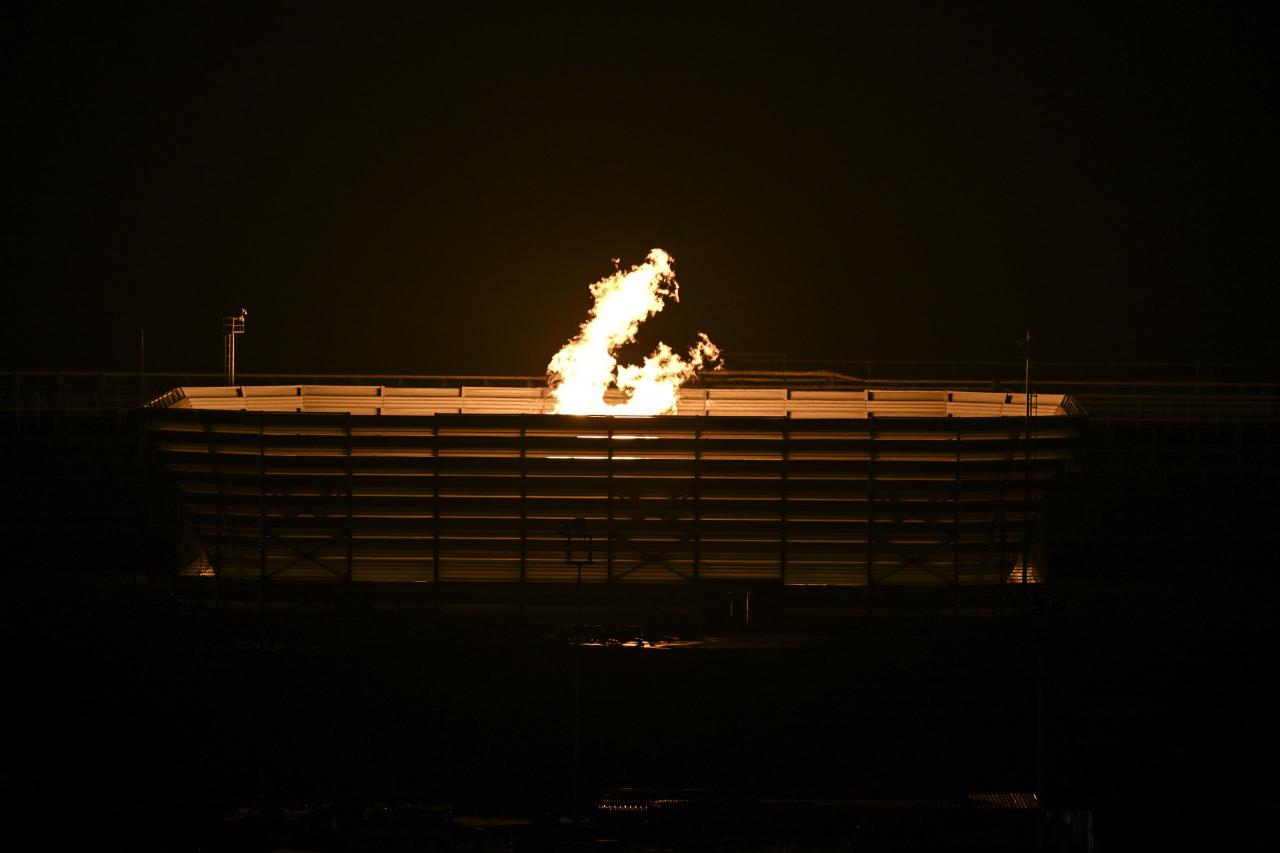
<point>585,368</point>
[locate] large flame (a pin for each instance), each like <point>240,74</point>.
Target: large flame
<point>586,367</point>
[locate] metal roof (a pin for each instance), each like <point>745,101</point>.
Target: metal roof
<point>754,402</point>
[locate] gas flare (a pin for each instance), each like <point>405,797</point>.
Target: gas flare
<point>585,367</point>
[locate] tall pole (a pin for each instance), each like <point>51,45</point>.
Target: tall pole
<point>231,326</point>
<point>1038,724</point>
<point>1026,462</point>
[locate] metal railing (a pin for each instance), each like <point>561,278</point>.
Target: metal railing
<point>1116,390</point>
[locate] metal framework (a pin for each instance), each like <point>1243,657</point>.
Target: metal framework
<point>870,488</point>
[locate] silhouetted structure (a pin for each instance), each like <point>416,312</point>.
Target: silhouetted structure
<point>744,488</point>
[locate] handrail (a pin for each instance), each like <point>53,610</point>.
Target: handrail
<point>1212,391</point>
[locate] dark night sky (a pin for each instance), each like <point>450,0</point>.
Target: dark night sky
<point>433,193</point>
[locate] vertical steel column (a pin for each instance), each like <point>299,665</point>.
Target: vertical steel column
<point>955,528</point>
<point>216,469</point>
<point>782,509</point>
<point>609,531</point>
<point>435,505</point>
<point>955,498</point>
<point>871,501</point>
<point>350,509</point>
<point>524,507</point>
<point>697,504</point>
<point>1026,489</point>
<point>1003,521</point>
<point>1026,471</point>
<point>262,507</point>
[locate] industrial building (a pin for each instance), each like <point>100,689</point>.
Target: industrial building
<point>742,488</point>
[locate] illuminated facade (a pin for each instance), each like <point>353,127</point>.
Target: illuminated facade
<point>474,485</point>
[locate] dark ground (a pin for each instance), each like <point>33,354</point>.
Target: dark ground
<point>1141,694</point>
<point>152,722</point>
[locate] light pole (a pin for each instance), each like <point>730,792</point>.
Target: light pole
<point>577,552</point>
<point>231,326</point>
